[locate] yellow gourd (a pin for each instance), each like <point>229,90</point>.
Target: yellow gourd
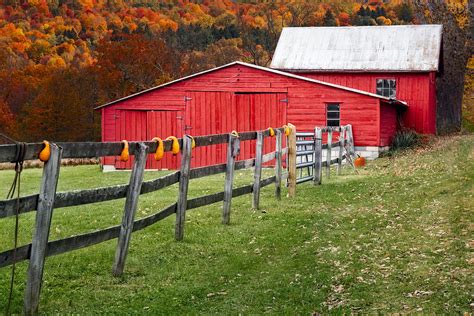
<point>45,153</point>
<point>287,130</point>
<point>193,143</point>
<point>174,145</point>
<point>235,133</point>
<point>160,149</point>
<point>125,154</point>
<point>271,132</point>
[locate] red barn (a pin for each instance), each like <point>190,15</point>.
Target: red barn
<point>245,97</point>
<point>395,61</point>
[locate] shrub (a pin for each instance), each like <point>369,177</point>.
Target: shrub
<point>405,139</point>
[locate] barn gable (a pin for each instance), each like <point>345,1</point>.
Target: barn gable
<point>359,49</point>
<point>251,66</point>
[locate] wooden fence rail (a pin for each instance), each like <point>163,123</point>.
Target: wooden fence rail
<point>310,152</point>
<point>47,199</point>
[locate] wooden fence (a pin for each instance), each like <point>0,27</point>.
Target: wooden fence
<point>310,147</point>
<point>47,199</point>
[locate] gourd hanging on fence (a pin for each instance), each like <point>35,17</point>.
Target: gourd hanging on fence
<point>193,142</point>
<point>160,149</point>
<point>271,132</point>
<point>125,154</point>
<point>45,153</point>
<point>359,162</point>
<point>234,132</point>
<point>174,145</point>
<point>287,130</point>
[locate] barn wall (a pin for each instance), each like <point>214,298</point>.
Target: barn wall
<point>306,102</point>
<point>388,124</point>
<point>414,88</point>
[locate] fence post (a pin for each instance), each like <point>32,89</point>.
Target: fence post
<point>131,203</point>
<point>328,153</point>
<point>39,243</point>
<point>350,140</point>
<point>183,187</point>
<point>292,161</point>
<point>278,164</point>
<point>342,140</point>
<point>318,156</point>
<point>233,149</point>
<point>258,171</point>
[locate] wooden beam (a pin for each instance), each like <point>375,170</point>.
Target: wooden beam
<point>183,188</point>
<point>131,203</point>
<point>292,161</point>
<point>318,156</point>
<point>258,171</point>
<point>278,164</point>
<point>328,154</point>
<point>39,243</point>
<point>233,150</point>
<point>341,149</point>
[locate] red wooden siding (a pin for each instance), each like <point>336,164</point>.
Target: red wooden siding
<point>388,124</point>
<point>417,89</point>
<point>209,112</point>
<point>243,98</point>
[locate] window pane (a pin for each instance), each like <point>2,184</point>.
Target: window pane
<point>333,123</point>
<point>379,83</point>
<point>333,115</point>
<point>333,107</point>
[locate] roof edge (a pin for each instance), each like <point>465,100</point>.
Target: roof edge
<point>271,70</point>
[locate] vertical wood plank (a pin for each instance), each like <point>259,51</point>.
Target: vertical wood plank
<point>258,170</point>
<point>342,140</point>
<point>183,188</point>
<point>44,214</point>
<point>292,161</point>
<point>131,203</point>
<point>233,149</point>
<point>350,141</point>
<point>328,153</point>
<point>278,164</point>
<point>318,155</point>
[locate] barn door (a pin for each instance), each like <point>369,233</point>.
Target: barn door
<point>212,112</point>
<point>258,111</point>
<point>132,126</point>
<point>163,124</point>
<point>209,112</point>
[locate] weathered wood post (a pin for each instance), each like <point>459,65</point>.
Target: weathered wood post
<point>350,140</point>
<point>233,149</point>
<point>131,204</point>
<point>258,171</point>
<point>183,187</point>
<point>318,156</point>
<point>292,161</point>
<point>328,153</point>
<point>44,214</point>
<point>342,140</point>
<point>278,164</point>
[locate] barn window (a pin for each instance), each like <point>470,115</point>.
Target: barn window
<point>387,88</point>
<point>332,114</point>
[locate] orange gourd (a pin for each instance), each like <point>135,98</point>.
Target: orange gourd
<point>45,153</point>
<point>125,154</point>
<point>359,162</point>
<point>174,145</point>
<point>160,149</point>
<point>271,132</point>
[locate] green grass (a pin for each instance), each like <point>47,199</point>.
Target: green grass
<point>397,237</point>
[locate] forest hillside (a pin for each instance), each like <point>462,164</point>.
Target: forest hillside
<point>61,58</point>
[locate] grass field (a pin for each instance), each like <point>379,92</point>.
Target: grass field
<point>397,237</point>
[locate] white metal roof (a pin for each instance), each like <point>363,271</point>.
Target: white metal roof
<point>359,48</point>
<point>275,71</point>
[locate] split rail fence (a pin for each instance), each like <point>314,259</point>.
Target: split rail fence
<point>310,149</point>
<point>48,199</point>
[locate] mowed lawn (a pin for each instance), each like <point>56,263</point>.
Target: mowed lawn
<point>397,237</point>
